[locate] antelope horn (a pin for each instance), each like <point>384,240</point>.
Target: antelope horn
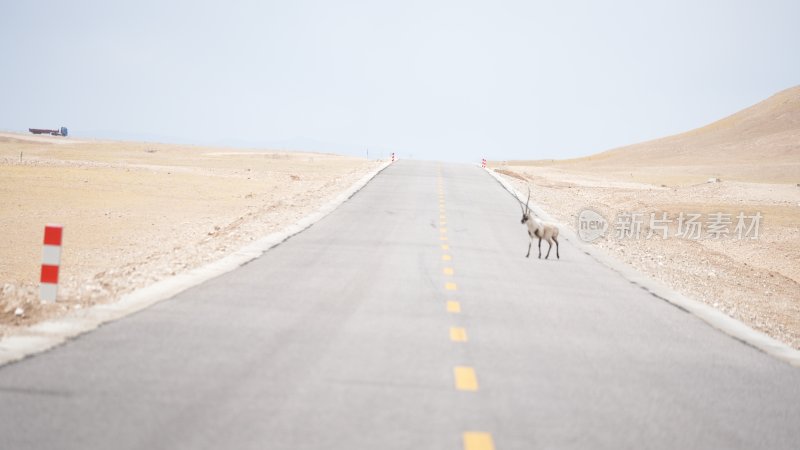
<point>528,201</point>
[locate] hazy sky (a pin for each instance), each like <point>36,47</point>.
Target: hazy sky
<point>449,80</point>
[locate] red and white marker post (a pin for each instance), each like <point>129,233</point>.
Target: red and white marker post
<point>483,163</point>
<point>51,260</point>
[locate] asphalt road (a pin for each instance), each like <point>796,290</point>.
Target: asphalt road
<point>407,319</point>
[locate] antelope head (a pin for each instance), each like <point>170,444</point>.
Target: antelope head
<point>526,210</point>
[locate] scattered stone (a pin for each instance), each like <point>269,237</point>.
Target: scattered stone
<point>19,312</point>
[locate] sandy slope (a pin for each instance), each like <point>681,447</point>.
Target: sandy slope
<point>758,144</point>
<point>756,154</point>
<point>134,213</point>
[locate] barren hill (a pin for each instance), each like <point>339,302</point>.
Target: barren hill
<point>760,144</point>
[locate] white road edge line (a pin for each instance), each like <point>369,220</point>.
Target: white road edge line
<point>713,317</point>
<point>46,335</point>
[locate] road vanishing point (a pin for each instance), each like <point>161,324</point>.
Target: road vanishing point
<point>409,318</point>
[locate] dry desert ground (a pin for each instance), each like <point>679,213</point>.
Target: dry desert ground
<point>136,213</point>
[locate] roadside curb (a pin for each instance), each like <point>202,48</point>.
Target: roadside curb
<point>46,335</point>
<point>711,316</point>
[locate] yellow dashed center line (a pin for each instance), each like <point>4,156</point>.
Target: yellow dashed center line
<point>458,334</point>
<point>465,379</point>
<point>477,440</point>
